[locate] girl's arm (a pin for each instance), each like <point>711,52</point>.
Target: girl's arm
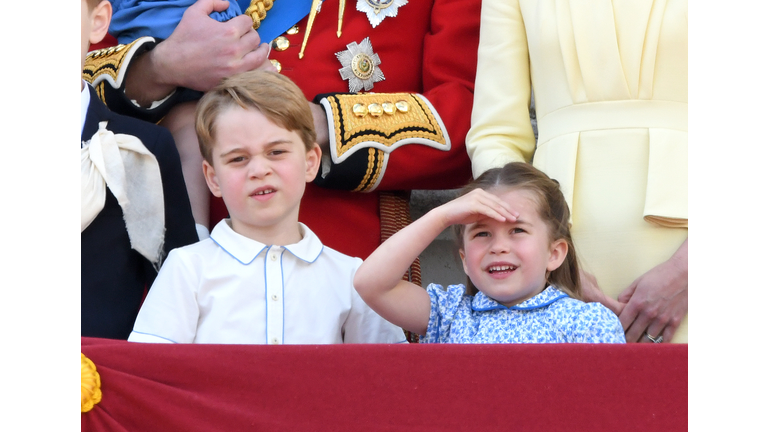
<point>379,279</point>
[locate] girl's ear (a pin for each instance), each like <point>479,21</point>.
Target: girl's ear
<point>211,179</point>
<point>557,253</point>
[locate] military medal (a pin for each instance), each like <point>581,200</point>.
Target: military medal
<point>360,66</point>
<point>377,10</point>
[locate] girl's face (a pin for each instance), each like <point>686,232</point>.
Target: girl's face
<point>509,261</point>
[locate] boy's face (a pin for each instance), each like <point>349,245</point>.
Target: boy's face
<point>260,170</point>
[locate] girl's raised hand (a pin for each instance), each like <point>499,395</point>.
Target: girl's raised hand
<point>474,206</point>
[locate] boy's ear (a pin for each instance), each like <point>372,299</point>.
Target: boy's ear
<point>101,16</point>
<point>211,179</point>
<point>557,253</point>
<point>314,156</point>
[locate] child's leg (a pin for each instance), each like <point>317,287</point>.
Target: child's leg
<point>181,122</point>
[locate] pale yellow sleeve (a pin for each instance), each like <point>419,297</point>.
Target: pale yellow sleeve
<point>501,130</point>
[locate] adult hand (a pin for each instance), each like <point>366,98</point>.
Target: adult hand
<point>657,301</point>
<point>321,127</point>
<point>591,292</point>
<point>198,54</point>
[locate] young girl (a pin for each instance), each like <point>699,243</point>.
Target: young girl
<point>516,248</point>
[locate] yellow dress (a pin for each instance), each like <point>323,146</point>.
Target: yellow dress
<point>610,84</point>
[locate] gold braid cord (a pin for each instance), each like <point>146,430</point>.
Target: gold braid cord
<point>258,11</point>
<point>381,122</point>
<point>90,384</point>
<point>395,212</point>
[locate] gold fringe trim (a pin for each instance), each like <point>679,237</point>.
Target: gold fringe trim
<point>90,384</point>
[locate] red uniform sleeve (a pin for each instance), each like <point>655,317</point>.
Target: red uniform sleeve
<point>424,150</point>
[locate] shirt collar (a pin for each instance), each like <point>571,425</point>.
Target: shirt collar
<point>551,294</point>
<point>85,101</point>
<point>246,250</point>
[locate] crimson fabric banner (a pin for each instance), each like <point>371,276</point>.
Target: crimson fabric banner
<point>407,387</point>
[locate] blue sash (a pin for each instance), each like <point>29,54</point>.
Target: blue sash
<point>132,19</point>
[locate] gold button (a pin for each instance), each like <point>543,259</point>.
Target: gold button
<point>293,30</point>
<point>360,110</point>
<point>375,110</point>
<point>277,65</point>
<point>281,43</point>
<point>388,107</point>
<point>402,106</point>
<point>274,297</point>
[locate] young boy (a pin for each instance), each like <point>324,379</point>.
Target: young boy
<point>134,206</point>
<point>262,277</point>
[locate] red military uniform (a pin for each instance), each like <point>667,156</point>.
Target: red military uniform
<point>428,48</point>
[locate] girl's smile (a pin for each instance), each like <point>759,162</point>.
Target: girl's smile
<point>500,270</point>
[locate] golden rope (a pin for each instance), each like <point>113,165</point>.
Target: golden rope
<point>258,11</point>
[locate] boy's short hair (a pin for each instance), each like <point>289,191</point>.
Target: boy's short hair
<point>274,95</point>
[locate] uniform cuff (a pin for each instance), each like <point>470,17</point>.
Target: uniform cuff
<point>363,129</point>
<point>106,70</point>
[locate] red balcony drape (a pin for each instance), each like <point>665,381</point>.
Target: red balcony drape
<point>408,387</point>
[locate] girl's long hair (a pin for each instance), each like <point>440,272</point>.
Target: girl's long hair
<point>553,210</point>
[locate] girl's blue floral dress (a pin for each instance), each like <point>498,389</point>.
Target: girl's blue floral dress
<point>549,317</point>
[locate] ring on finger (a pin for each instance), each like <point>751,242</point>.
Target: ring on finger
<point>657,339</point>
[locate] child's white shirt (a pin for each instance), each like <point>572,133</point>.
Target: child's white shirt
<point>230,289</point>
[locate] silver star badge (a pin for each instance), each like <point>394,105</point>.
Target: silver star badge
<point>377,10</point>
<point>360,66</point>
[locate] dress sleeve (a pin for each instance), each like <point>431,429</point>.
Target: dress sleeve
<point>444,304</point>
<point>363,325</point>
<point>595,323</point>
<point>422,148</point>
<point>170,311</point>
<point>501,128</point>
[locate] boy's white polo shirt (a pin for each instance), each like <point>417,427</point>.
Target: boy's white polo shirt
<point>230,289</point>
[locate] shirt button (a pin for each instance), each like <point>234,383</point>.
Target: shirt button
<point>274,297</point>
<point>273,257</point>
<point>274,341</point>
